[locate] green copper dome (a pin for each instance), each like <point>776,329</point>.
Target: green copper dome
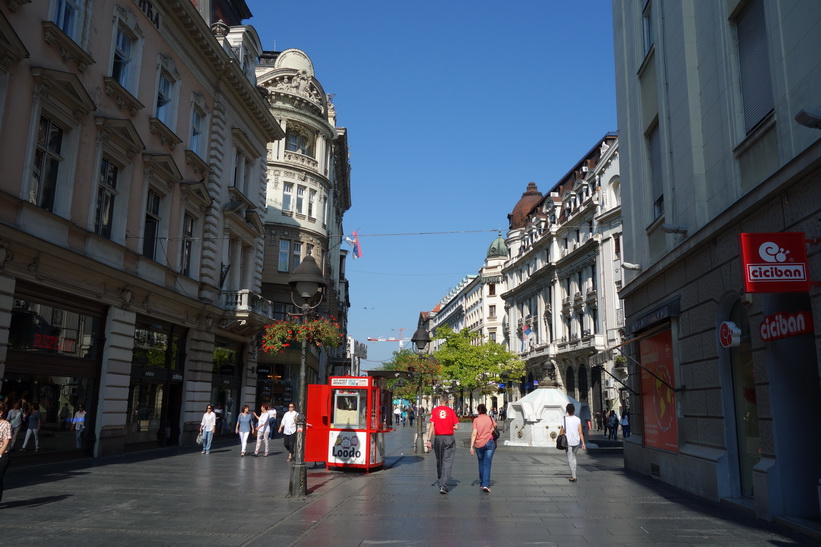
<point>497,249</point>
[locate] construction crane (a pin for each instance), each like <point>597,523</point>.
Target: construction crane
<point>392,339</point>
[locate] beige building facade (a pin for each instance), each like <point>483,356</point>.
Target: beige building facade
<point>131,234</point>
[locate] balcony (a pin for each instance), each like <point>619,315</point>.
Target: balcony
<point>591,297</point>
<point>245,311</point>
<point>302,160</point>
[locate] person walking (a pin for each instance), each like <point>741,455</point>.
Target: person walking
<point>272,421</point>
<point>263,429</point>
<point>208,426</point>
<point>443,422</point>
<point>483,445</point>
<point>244,427</point>
<point>575,437</point>
<point>625,425</point>
<point>16,420</point>
<point>78,424</point>
<point>5,442</point>
<point>33,428</point>
<point>613,425</point>
<point>288,428</point>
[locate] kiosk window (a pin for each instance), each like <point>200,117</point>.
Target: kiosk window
<point>349,408</point>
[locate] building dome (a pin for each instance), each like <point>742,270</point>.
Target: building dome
<point>497,249</point>
<point>532,196</point>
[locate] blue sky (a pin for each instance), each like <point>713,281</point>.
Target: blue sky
<point>451,107</point>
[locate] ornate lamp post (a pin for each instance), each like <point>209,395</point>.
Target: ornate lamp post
<point>420,341</point>
<point>307,282</point>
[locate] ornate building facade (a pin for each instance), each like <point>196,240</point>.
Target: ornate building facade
<point>308,192</point>
<point>562,310</point>
<point>131,233</point>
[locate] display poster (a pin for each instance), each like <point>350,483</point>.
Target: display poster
<point>657,394</point>
<point>347,448</point>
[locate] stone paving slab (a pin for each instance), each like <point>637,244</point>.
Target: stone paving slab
<point>178,496</point>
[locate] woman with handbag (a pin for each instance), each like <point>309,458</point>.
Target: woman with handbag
<point>483,444</point>
<point>575,437</point>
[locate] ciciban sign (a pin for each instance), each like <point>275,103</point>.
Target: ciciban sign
<point>783,325</point>
<point>774,262</point>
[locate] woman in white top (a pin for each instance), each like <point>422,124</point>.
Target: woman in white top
<point>575,437</point>
<point>79,425</point>
<point>208,426</point>
<point>288,428</point>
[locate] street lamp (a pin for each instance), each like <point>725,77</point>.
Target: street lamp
<point>307,281</point>
<point>420,341</point>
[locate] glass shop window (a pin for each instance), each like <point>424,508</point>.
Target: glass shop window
<point>349,409</point>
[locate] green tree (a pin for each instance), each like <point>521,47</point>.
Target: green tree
<point>472,362</point>
<point>425,368</point>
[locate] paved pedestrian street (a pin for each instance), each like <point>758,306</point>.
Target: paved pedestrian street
<point>181,497</point>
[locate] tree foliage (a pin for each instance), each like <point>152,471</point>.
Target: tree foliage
<point>473,363</point>
<point>426,369</point>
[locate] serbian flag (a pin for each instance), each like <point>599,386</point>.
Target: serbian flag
<point>357,250</point>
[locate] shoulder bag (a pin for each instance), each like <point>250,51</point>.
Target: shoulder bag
<point>561,440</point>
<point>495,432</point>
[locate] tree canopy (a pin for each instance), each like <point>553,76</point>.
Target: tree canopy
<point>425,366</point>
<point>473,363</point>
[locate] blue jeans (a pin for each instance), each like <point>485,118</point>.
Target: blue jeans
<point>207,435</point>
<point>485,457</point>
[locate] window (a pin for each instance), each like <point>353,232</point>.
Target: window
<point>300,199</point>
<point>165,99</point>
<point>122,57</point>
<point>243,168</point>
<point>654,145</point>
<point>297,253</point>
<point>67,17</point>
<point>106,194</point>
<point>311,203</point>
<point>491,289</point>
<point>47,160</point>
<point>298,139</point>
<point>197,138</point>
<point>491,311</point>
<point>187,244</point>
<point>284,255</point>
<point>754,64</point>
<point>287,196</point>
<point>151,230</point>
<point>617,244</point>
<point>647,27</point>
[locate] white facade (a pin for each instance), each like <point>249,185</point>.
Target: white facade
<point>308,192</point>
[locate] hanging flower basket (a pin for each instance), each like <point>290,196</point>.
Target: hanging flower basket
<point>281,335</point>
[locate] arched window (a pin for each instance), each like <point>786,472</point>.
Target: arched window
<point>299,140</point>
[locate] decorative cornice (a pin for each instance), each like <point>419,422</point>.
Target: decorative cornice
<point>124,100</point>
<point>167,137</point>
<point>69,50</point>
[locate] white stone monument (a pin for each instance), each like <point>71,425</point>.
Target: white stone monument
<point>535,419</point>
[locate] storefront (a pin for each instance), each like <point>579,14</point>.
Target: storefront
<point>155,392</point>
<point>226,384</point>
<point>53,367</point>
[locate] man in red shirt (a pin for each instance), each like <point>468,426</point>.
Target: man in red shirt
<point>443,422</point>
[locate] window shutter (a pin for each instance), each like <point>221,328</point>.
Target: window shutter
<point>754,65</point>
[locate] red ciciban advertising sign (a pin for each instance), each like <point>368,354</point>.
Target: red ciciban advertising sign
<point>774,262</point>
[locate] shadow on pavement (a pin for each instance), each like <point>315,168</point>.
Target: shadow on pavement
<point>36,502</point>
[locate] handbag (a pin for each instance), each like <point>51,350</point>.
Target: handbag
<point>199,437</point>
<point>495,432</point>
<point>561,440</point>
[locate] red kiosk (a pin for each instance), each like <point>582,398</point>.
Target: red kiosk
<point>347,420</point>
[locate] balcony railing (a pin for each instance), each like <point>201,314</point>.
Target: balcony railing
<point>248,302</point>
<point>301,159</point>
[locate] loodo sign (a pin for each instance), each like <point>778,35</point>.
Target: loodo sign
<point>784,325</point>
<point>774,262</point>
